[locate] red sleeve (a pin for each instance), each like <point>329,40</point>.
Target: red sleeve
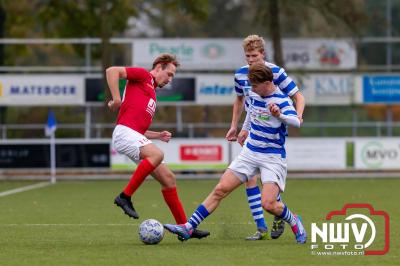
<point>136,73</point>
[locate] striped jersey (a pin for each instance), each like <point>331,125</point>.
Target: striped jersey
<point>280,79</point>
<point>268,133</point>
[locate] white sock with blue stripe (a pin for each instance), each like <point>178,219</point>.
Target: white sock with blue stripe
<point>254,200</point>
<point>287,216</point>
<point>197,217</point>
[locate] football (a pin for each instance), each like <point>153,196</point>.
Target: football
<point>151,232</point>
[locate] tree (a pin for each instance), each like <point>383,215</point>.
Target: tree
<point>87,18</point>
<point>287,17</point>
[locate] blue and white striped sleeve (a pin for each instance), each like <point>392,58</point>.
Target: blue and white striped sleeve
<point>283,81</point>
<point>238,87</point>
<point>287,109</point>
<point>288,113</point>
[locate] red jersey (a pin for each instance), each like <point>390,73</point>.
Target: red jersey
<point>139,100</point>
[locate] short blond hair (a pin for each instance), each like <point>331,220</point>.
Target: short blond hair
<point>254,42</point>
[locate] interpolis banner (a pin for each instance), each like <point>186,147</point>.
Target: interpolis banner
<point>215,89</point>
<point>44,90</point>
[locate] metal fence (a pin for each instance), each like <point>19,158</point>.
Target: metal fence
<point>193,130</point>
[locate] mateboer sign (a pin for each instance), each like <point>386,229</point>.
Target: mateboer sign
<point>44,90</point>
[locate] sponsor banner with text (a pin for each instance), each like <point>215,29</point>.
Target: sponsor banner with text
<point>318,89</point>
<point>215,89</point>
<point>44,90</point>
<point>317,53</point>
<point>185,154</point>
<point>327,89</point>
<point>381,89</point>
<point>193,54</point>
<point>227,54</point>
<point>374,153</point>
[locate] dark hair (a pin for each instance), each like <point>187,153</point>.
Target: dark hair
<point>259,73</point>
<point>165,59</point>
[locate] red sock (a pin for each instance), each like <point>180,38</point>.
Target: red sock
<point>142,171</point>
<point>174,204</point>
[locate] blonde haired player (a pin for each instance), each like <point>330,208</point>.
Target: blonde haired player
<point>254,50</point>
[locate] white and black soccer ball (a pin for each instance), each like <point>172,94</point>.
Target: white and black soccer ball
<point>151,232</point>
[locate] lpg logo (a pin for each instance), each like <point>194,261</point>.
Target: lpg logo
<point>352,234</point>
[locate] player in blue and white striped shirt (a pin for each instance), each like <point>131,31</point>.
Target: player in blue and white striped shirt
<point>255,53</point>
<point>269,112</point>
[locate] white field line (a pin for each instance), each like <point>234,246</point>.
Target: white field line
<point>83,225</point>
<point>26,188</point>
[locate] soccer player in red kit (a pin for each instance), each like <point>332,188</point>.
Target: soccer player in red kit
<point>131,136</point>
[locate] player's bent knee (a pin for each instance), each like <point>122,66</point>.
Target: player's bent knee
<point>158,157</point>
<point>270,206</point>
<point>220,191</point>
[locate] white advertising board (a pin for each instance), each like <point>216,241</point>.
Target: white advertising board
<point>199,54</point>
<point>377,153</point>
<point>180,154</point>
<point>311,154</point>
<point>317,54</point>
<point>35,90</point>
<point>227,54</point>
<point>316,153</point>
<point>327,89</point>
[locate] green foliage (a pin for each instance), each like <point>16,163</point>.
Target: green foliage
<point>74,19</point>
